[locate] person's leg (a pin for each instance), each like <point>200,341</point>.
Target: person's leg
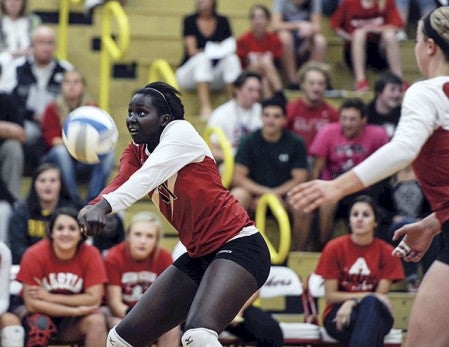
<point>5,212</point>
<point>12,164</point>
<point>428,319</point>
<point>99,175</point>
<point>392,51</point>
<point>229,68</point>
<point>302,223</point>
<point>319,48</point>
<point>326,224</point>
<point>289,58</point>
<point>34,145</point>
<point>90,328</point>
<point>371,322</point>
<point>161,308</point>
<point>358,55</point>
<point>171,338</point>
<point>260,327</point>
<point>60,156</point>
<point>12,333</point>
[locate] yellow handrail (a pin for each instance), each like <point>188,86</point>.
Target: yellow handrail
<point>110,50</point>
<point>160,70</point>
<point>228,156</point>
<point>278,210</point>
<point>64,9</point>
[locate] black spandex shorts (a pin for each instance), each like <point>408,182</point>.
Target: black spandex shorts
<point>443,251</point>
<point>250,252</point>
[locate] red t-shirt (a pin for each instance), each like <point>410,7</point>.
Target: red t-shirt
<point>305,120</point>
<point>57,276</point>
<point>247,43</point>
<point>358,268</point>
<point>134,277</point>
<point>350,15</point>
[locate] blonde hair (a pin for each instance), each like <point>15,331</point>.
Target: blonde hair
<point>436,27</point>
<point>147,217</point>
<point>319,67</point>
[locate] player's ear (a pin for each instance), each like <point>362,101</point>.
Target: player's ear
<point>165,119</point>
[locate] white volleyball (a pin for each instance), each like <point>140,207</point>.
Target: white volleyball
<point>89,132</point>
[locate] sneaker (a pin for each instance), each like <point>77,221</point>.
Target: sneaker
<point>401,36</point>
<point>413,285</point>
<point>39,330</point>
<point>362,86</point>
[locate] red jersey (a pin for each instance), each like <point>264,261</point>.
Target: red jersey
<point>57,276</point>
<point>305,120</point>
<point>182,179</point>
<point>134,277</point>
<point>248,43</point>
<point>350,15</point>
<point>358,268</point>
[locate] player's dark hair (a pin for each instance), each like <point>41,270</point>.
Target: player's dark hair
<point>66,211</point>
<point>264,9</point>
<point>385,78</point>
<point>356,103</point>
<point>165,98</point>
<point>367,200</point>
<point>244,76</point>
<point>275,101</point>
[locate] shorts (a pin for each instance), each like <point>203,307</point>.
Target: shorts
<point>250,252</point>
<point>443,249</point>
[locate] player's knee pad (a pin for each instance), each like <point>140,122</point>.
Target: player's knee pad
<point>115,340</point>
<point>200,337</point>
<point>13,336</point>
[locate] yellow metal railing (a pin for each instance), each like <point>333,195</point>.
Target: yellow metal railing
<point>160,70</point>
<point>110,50</point>
<point>228,156</point>
<point>64,10</point>
<point>272,201</point>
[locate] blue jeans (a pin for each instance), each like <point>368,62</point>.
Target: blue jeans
<point>72,169</point>
<point>370,322</point>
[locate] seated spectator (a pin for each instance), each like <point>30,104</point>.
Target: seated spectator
<point>310,112</point>
<point>63,286</point>
<point>29,219</point>
<point>240,115</point>
<point>254,325</point>
<point>11,330</point>
<point>298,24</point>
<point>358,271</point>
<point>112,234</point>
<point>402,202</point>
<point>424,8</point>
<point>12,136</point>
<point>132,266</point>
<point>209,61</point>
<point>385,108</point>
<point>16,27</point>
<point>369,28</point>
<point>73,95</point>
<point>34,81</point>
<point>337,148</point>
<point>271,160</point>
<point>260,50</point>
<point>6,202</point>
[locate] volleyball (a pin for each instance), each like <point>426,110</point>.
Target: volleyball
<point>88,132</point>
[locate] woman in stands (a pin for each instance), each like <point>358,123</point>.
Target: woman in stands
<point>63,285</point>
<point>227,259</point>
<point>358,271</point>
<point>422,137</point>
<point>132,266</point>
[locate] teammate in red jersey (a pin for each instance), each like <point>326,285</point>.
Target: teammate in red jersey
<point>422,137</point>
<point>226,260</point>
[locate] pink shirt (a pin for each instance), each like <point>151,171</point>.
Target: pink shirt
<point>342,153</point>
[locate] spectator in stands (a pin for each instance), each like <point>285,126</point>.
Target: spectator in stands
<point>298,24</point>
<point>240,115</point>
<point>385,108</point>
<point>310,112</point>
<point>260,50</point>
<point>29,219</point>
<point>132,266</point>
<point>34,82</point>
<point>73,95</point>
<point>337,148</point>
<point>11,330</point>
<point>209,61</point>
<point>63,286</point>
<point>271,160</point>
<point>402,202</point>
<point>424,7</point>
<point>113,233</point>
<point>358,271</point>
<point>16,28</point>
<point>369,28</point>
<point>7,200</point>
